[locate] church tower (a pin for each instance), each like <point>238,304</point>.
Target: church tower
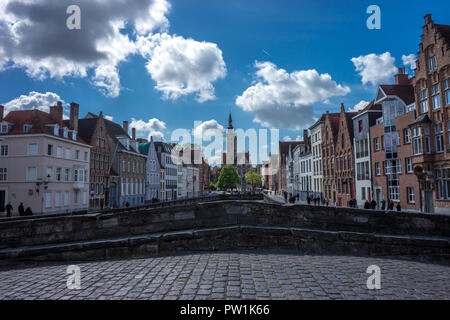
<point>231,142</point>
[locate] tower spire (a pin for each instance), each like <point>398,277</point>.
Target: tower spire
<point>230,122</point>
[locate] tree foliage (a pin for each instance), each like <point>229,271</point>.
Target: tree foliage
<point>228,177</point>
<point>253,178</point>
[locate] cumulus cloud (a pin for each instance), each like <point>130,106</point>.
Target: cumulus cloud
<point>156,135</point>
<point>409,60</point>
<point>208,129</point>
<point>359,106</point>
<point>282,99</point>
<point>34,37</point>
<point>182,66</point>
<point>34,100</point>
<point>374,68</point>
<point>153,127</point>
<point>110,118</point>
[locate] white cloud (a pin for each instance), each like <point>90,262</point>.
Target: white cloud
<point>182,66</point>
<point>110,118</point>
<point>282,99</point>
<point>157,136</point>
<point>34,37</point>
<point>151,125</point>
<point>374,68</point>
<point>287,138</point>
<point>208,129</point>
<point>359,106</point>
<point>34,100</point>
<point>409,60</point>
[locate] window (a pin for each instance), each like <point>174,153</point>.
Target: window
<point>84,197</point>
<point>31,174</point>
<point>58,174</point>
<point>4,150</point>
<point>360,125</point>
<point>411,195</point>
<point>417,141</point>
<point>427,144</point>
<point>376,144</point>
<point>435,97</point>
<point>439,138</point>
<point>377,169</point>
<point>394,193</point>
<point>407,135</point>
<point>75,197</point>
<point>432,64</point>
<point>48,200</point>
<point>77,154</point>
<point>32,148</point>
<point>443,184</point>
<point>67,153</point>
<point>85,156</point>
<point>59,152</point>
<point>423,101</point>
<point>408,164</point>
<point>4,128</point>
<point>27,128</point>
<point>57,199</point>
<point>66,198</point>
<point>50,149</point>
<point>3,174</point>
<point>66,174</point>
<point>363,193</point>
<point>447,91</point>
<point>49,173</point>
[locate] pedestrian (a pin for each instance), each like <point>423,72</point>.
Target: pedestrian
<point>373,204</point>
<point>21,210</point>
<point>9,208</point>
<point>28,212</point>
<point>367,204</point>
<point>308,199</point>
<point>399,208</point>
<point>391,205</point>
<point>383,204</point>
<point>285,196</point>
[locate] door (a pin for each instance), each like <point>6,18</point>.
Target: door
<point>2,200</point>
<point>429,207</point>
<point>378,198</point>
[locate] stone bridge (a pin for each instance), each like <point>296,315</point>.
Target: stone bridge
<point>218,224</point>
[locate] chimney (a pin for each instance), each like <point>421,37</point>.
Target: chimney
<point>2,109</point>
<point>133,133</point>
<point>401,77</point>
<point>74,110</point>
<point>125,126</point>
<point>56,112</point>
<point>342,107</point>
<point>428,19</point>
<point>305,134</point>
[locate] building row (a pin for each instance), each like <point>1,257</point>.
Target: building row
<point>54,165</point>
<point>396,149</point>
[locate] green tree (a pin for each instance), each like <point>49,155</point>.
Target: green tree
<point>253,178</point>
<point>228,177</point>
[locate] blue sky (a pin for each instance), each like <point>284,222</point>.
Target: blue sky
<point>284,34</point>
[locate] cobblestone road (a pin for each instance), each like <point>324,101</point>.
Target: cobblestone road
<point>231,276</point>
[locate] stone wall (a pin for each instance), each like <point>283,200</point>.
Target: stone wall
<point>227,225</point>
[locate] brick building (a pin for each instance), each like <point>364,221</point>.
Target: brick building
<point>92,130</point>
<point>344,164</point>
<point>431,128</point>
<point>329,137</point>
<point>391,145</point>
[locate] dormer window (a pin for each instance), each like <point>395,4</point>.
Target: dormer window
<point>4,128</point>
<point>27,128</point>
<point>65,132</point>
<point>74,135</point>
<point>56,130</point>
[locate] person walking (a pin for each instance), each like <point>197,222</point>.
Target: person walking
<point>383,204</point>
<point>9,208</point>
<point>373,204</point>
<point>21,209</point>
<point>391,205</point>
<point>367,204</point>
<point>399,208</point>
<point>28,212</point>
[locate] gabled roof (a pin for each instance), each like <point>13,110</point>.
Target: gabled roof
<point>319,121</point>
<point>403,91</point>
<point>86,128</point>
<point>423,118</point>
<point>39,121</point>
<point>444,31</point>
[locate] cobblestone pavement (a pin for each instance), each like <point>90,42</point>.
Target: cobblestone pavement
<point>238,275</point>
